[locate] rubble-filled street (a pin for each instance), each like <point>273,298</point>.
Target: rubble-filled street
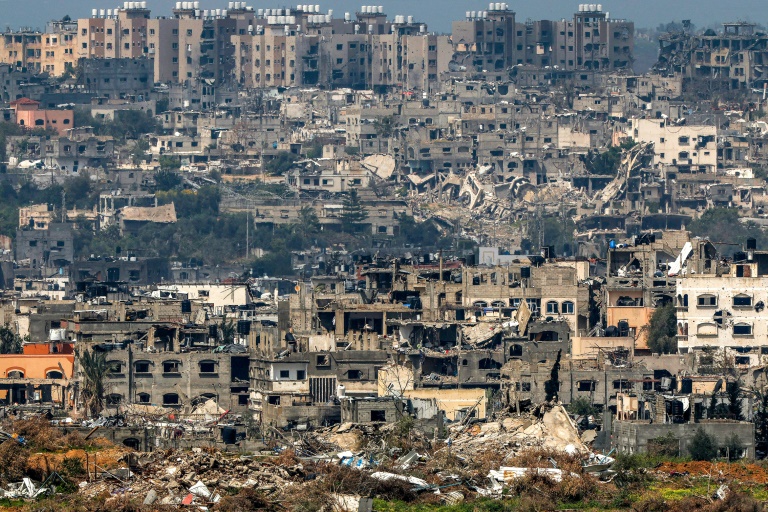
<point>535,460</point>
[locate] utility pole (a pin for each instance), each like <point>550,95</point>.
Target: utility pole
<point>247,232</point>
<point>63,206</point>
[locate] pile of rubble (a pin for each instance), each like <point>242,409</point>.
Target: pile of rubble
<point>200,477</point>
<point>552,429</point>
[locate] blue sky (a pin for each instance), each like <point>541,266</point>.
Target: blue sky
<point>436,13</point>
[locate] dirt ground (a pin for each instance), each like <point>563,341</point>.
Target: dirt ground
<point>742,472</point>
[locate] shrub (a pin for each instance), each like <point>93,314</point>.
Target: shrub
<point>15,458</point>
<point>703,446</point>
<point>72,466</point>
<point>664,446</point>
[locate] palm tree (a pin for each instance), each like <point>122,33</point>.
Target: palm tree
<point>95,370</point>
<point>308,223</point>
<point>227,330</point>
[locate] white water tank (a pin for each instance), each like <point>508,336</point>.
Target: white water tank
<point>347,16</point>
<point>599,7</point>
<point>341,391</point>
<point>410,20</point>
<point>94,13</point>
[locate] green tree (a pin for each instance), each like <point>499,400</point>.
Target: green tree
<point>607,162</point>
<point>169,163</point>
<point>139,151</point>
<point>734,447</point>
<point>702,446</point>
<point>273,264</point>
<point>10,342</point>
<point>78,192</point>
<point>95,370</point>
<point>761,419</point>
<point>353,212</point>
<point>662,330</point>
<point>281,163</point>
<point>723,225</point>
<point>227,331</point>
<point>552,386</point>
<point>733,391</point>
<point>308,223</point>
<point>582,406</point>
<point>166,179</point>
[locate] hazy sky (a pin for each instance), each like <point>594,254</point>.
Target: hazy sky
<point>436,13</point>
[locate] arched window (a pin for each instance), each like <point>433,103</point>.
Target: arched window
<point>742,299</point>
<point>16,374</point>
<point>144,398</point>
<point>54,374</point>
<point>114,399</point>
<point>552,308</point>
<point>171,399</point>
<point>207,366</point>
<point>172,366</point>
<point>568,307</point>
<point>488,364</point>
<point>706,300</point>
<point>742,329</point>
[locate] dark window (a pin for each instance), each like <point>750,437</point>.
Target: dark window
<point>378,415</point>
<point>285,374</point>
<point>207,367</point>
<point>144,398</point>
<point>742,300</point>
<point>742,329</point>
<point>170,399</point>
<point>707,300</point>
<point>355,374</point>
<point>171,367</point>
<point>301,375</point>
<point>142,366</point>
<point>323,360</point>
<point>586,385</point>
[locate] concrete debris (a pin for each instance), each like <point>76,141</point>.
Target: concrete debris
<point>553,430</point>
<point>24,489</point>
<point>347,503</point>
<point>385,477</point>
<point>508,474</point>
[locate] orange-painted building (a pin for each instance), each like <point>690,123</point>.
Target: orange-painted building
<point>39,375</point>
<point>30,115</point>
